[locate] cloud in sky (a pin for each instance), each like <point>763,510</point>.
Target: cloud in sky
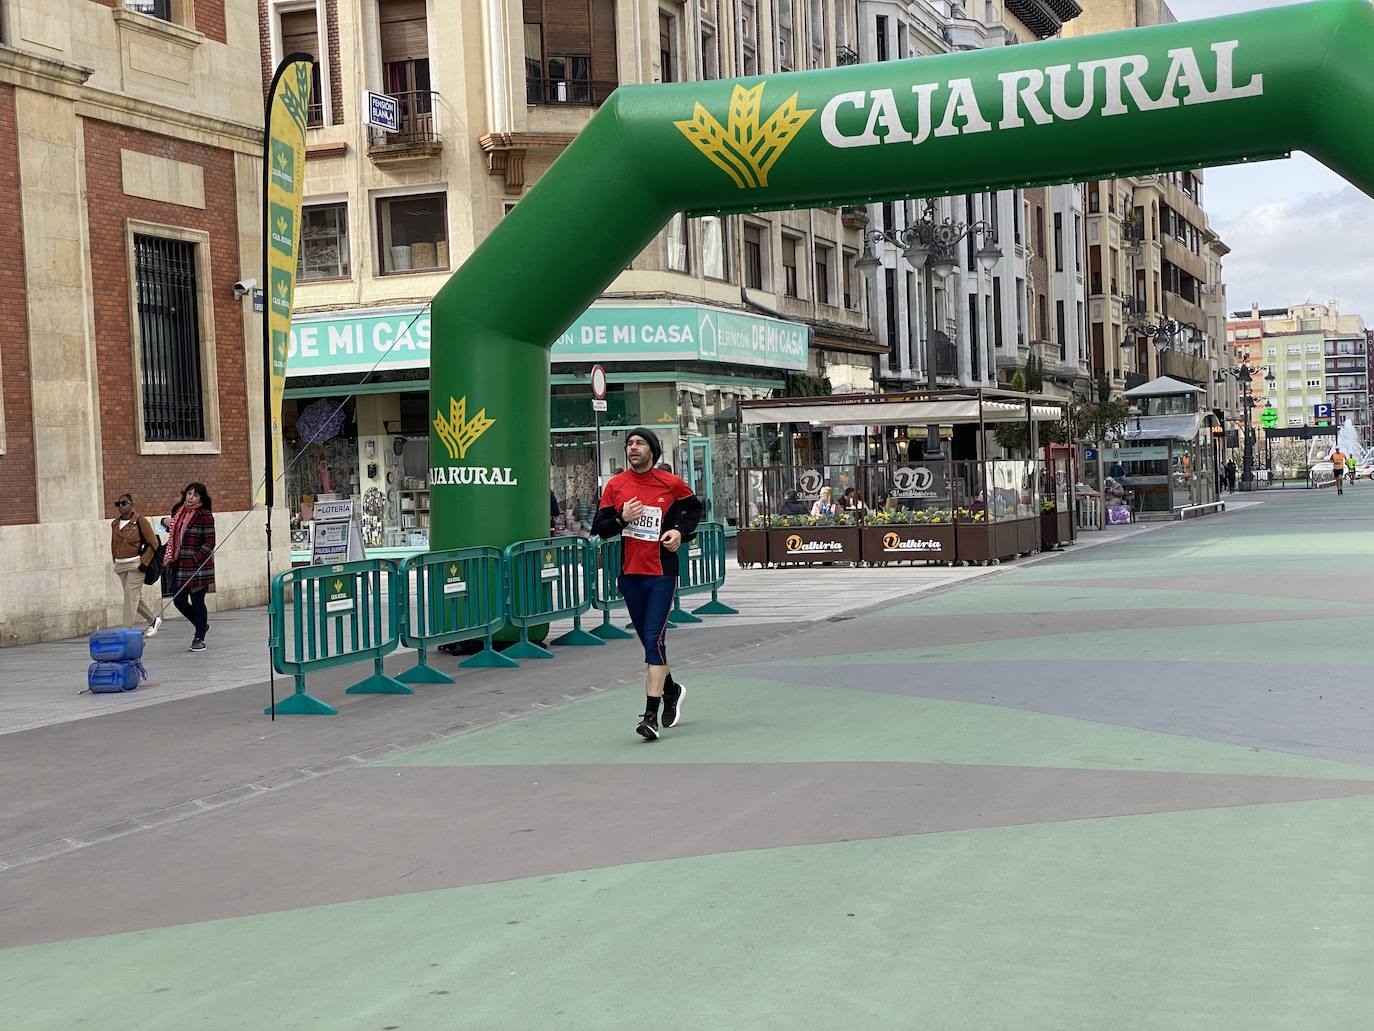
<point>1297,231</point>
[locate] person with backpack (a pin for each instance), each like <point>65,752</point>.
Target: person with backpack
<point>133,544</point>
<point>654,512</point>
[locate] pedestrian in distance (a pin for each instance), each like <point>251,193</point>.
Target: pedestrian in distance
<point>1338,468</point>
<point>1350,469</point>
<point>653,512</point>
<point>191,558</point>
<point>1230,476</point>
<point>133,543</point>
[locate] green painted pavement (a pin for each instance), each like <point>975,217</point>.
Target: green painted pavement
<point>1126,923</point>
<point>751,720</point>
<point>1304,642</point>
<point>1017,596</point>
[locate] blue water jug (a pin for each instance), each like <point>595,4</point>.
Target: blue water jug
<point>116,645</point>
<point>112,677</point>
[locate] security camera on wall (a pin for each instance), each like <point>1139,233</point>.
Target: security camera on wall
<point>244,286</point>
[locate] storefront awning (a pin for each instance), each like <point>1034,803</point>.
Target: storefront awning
<point>945,411</point>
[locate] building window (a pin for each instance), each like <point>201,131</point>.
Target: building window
<point>782,18</point>
<point>167,297</point>
<point>300,34</point>
<point>816,32</point>
<point>1060,325</point>
<point>851,296</point>
<point>825,256</point>
<point>669,66</point>
<point>708,58</point>
<point>411,233</point>
<point>1042,318</point>
<point>754,256</point>
<point>789,265</point>
<point>570,53</point>
<point>324,242</point>
<point>715,262</point>
<point>1094,202</point>
<point>1040,231</point>
<point>1077,243</point>
<point>178,12</point>
<point>405,67</point>
<point>997,311</point>
<point>1016,216</point>
<point>749,36</point>
<point>894,361</point>
<point>1020,313</point>
<point>1058,241</point>
<point>679,239</point>
<point>880,35</point>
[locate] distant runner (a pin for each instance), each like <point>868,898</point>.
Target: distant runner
<point>654,512</point>
<point>1338,469</point>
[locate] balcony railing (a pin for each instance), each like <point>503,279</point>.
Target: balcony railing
<point>154,8</point>
<point>417,135</point>
<point>844,56</point>
<point>573,92</point>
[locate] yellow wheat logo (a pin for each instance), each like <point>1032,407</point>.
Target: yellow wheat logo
<point>742,150</point>
<point>457,431</point>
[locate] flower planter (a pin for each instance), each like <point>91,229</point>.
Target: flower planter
<point>751,547</point>
<point>1006,538</point>
<point>811,544</point>
<point>1056,528</point>
<point>973,542</point>
<point>906,542</point>
<point>1049,529</point>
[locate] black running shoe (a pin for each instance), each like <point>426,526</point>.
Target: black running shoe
<point>648,727</point>
<point>672,704</point>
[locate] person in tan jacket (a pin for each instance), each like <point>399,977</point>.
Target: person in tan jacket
<point>132,546</point>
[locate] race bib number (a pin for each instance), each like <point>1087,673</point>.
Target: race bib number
<point>648,527</point>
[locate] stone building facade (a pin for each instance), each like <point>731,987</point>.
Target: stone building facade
<point>130,143</point>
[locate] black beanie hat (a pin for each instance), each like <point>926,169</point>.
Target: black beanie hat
<point>650,438</point>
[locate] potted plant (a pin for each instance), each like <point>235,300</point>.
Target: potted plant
<point>908,535</point>
<point>807,539</point>
<point>751,543</point>
<point>972,536</point>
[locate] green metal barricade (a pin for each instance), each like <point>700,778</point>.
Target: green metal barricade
<point>453,596</point>
<point>339,615</point>
<point>547,580</point>
<point>606,589</point>
<point>701,567</point>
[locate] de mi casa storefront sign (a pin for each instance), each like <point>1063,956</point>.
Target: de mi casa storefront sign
<point>356,341</point>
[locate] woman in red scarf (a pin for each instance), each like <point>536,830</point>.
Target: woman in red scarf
<point>191,557</point>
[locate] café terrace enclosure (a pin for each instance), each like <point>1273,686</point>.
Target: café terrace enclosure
<point>1243,87</point>
<point>966,509</point>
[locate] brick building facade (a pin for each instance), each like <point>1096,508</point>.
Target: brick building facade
<point>130,173</point>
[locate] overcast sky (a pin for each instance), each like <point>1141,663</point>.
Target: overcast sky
<point>1297,231</point>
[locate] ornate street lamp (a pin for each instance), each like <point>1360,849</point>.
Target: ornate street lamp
<point>930,245</point>
<point>1243,374</point>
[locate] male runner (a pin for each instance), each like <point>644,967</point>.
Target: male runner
<point>1338,468</point>
<point>654,512</point>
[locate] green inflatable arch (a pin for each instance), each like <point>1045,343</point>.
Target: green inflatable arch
<point>1244,87</point>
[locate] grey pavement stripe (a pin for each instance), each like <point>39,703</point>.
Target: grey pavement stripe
<point>235,795</point>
